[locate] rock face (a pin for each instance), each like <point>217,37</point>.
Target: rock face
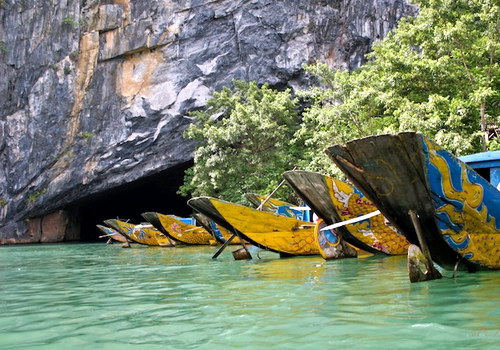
<point>94,94</point>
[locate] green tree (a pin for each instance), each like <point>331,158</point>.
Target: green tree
<point>437,73</point>
<point>246,142</point>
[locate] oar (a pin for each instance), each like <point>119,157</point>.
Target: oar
<point>351,221</point>
<point>432,273</point>
<point>138,227</point>
<point>272,193</point>
<point>223,246</point>
<point>107,235</point>
<point>194,228</point>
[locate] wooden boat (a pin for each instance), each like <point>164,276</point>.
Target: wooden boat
<point>337,201</point>
<point>263,229</point>
<point>277,206</point>
<point>178,230</point>
<point>459,211</point>
<point>112,234</point>
<point>143,234</point>
<point>331,245</point>
<point>219,232</point>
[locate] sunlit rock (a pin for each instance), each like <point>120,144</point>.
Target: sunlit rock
<point>95,94</point>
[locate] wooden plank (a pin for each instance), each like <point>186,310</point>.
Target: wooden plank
<point>431,272</point>
<point>253,199</point>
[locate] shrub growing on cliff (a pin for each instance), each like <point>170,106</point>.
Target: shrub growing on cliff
<point>3,49</point>
<point>437,73</point>
<point>70,21</point>
<point>246,144</point>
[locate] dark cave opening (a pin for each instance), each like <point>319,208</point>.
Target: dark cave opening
<point>157,192</point>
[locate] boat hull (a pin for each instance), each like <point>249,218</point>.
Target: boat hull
<point>142,235</point>
<point>219,232</point>
<point>178,230</point>
<point>459,211</point>
<point>113,234</point>
<point>336,201</point>
<point>262,229</point>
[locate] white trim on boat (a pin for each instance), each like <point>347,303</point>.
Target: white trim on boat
<point>351,221</point>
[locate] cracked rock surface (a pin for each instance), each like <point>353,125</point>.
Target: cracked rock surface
<point>95,94</point>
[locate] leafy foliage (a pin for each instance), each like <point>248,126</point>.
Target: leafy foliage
<point>437,73</point>
<point>70,21</point>
<point>246,142</point>
<point>3,48</point>
<point>35,195</point>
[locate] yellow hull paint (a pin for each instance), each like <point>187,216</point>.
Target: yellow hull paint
<point>113,234</point>
<point>278,233</point>
<point>226,234</point>
<point>478,238</point>
<point>221,234</point>
<point>143,235</point>
<point>185,233</point>
<point>375,231</point>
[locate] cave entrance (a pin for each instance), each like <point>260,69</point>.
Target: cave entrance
<point>156,192</point>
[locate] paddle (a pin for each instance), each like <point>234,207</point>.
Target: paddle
<point>351,221</point>
<point>223,246</point>
<point>432,273</point>
<point>107,235</point>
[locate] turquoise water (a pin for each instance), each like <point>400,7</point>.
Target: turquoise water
<point>96,296</point>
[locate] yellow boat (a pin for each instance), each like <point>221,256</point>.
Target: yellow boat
<point>337,201</point>
<point>219,232</point>
<point>178,230</point>
<point>112,234</point>
<point>262,229</point>
<point>143,234</point>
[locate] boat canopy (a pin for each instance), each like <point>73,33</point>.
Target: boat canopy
<point>189,221</point>
<point>487,164</point>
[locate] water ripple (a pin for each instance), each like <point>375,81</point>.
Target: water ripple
<point>90,296</point>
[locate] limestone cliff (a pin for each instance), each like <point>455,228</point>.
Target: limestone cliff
<point>95,94</point>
